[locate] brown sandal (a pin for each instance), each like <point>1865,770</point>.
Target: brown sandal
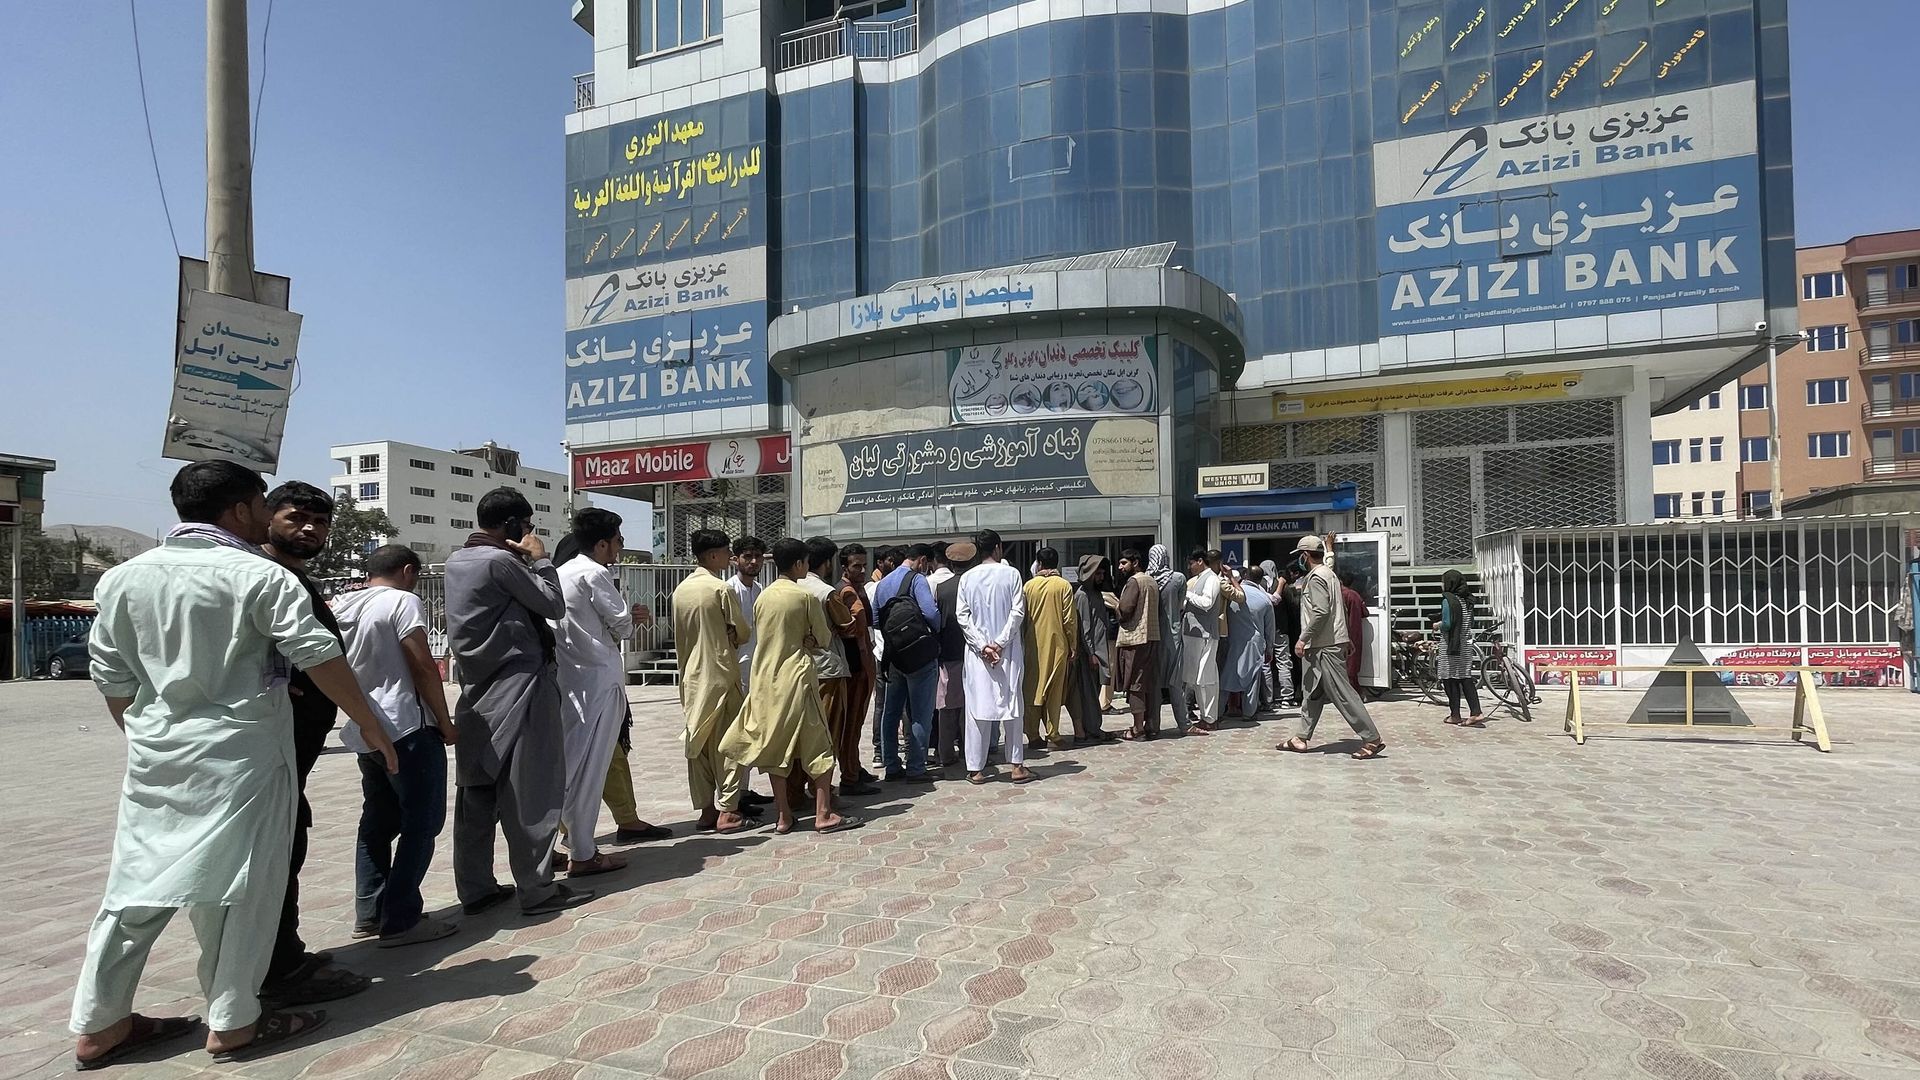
<point>1295,745</point>
<point>1369,750</point>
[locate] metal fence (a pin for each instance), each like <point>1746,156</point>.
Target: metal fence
<point>583,91</point>
<point>862,40</point>
<point>46,633</point>
<point>1796,591</point>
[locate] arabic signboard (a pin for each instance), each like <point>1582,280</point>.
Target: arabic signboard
<point>705,359</point>
<point>1867,665</point>
<point>967,298</point>
<point>1232,479</point>
<point>682,285</point>
<point>1641,205</point>
<point>667,187</point>
<point>667,286</point>
<point>714,460</point>
<point>1005,463</point>
<point>1104,376</point>
<point>1539,659</point>
<point>233,376</point>
<point>1451,394</point>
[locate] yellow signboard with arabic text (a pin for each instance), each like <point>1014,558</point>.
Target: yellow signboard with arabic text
<point>1454,394</point>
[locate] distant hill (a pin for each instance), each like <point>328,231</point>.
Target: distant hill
<point>124,543</point>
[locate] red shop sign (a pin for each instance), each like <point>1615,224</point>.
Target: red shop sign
<point>718,459</point>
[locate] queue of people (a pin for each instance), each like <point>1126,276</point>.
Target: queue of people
<point>226,669</point>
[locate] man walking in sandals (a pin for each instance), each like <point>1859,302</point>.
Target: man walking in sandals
<point>1323,648</point>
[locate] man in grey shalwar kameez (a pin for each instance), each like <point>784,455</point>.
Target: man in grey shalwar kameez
<point>1173,600</point>
<point>510,760</point>
<point>1249,640</point>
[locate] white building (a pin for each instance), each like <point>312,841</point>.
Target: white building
<point>430,495</point>
<point>1697,452</point>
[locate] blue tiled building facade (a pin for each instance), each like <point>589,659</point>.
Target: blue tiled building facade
<point>1403,197</point>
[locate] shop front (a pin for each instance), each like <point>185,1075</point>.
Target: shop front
<point>1065,408</point>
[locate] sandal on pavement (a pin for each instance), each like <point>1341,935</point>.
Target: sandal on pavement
<point>274,1030</point>
<point>1295,745</point>
<point>320,983</point>
<point>145,1031</point>
<point>1369,750</point>
<point>563,897</point>
<point>601,863</point>
<point>846,823</point>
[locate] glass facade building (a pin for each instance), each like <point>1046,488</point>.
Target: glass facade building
<point>1473,245</point>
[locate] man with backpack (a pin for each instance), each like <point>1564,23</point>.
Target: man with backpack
<point>908,618</point>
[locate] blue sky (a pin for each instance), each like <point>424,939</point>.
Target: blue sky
<point>407,174</point>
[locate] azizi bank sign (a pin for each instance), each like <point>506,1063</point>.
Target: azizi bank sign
<point>1646,204</point>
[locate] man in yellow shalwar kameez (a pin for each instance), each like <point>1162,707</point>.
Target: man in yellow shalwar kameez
<point>708,627</point>
<point>781,726</point>
<point>1052,629</point>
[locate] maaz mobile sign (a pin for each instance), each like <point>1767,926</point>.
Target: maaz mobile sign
<point>1644,204</point>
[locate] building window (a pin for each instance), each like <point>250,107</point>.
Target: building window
<point>1753,397</point>
<point>369,462</point>
<point>1823,286</point>
<point>460,523</point>
<point>370,491</point>
<point>1699,503</point>
<point>459,470</point>
<point>1666,506</point>
<point>1907,277</point>
<point>543,485</point>
<point>1711,401</point>
<point>1719,503</point>
<point>1755,503</point>
<point>543,508</point>
<point>657,26</point>
<point>1826,338</point>
<point>1754,449</point>
<point>1666,452</point>
<point>425,493</point>
<point>1696,450</point>
<point>1827,391</point>
<point>1830,444</point>
<point>421,519</point>
<point>459,496</point>
<point>545,532</point>
<point>1717,448</point>
<point>424,466</point>
<point>1909,441</point>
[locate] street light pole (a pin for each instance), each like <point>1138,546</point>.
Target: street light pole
<point>229,153</point>
<point>1775,494</point>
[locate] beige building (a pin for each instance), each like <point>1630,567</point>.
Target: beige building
<point>1849,393</point>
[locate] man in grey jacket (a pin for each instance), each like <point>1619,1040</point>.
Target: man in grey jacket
<point>510,757</point>
<point>1323,647</point>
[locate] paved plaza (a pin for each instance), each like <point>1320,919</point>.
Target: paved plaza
<point>1497,903</point>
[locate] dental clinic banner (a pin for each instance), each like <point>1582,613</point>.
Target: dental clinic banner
<point>1640,205</point>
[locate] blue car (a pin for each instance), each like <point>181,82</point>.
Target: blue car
<point>68,660</point>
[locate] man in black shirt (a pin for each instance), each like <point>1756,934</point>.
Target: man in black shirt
<point>302,515</point>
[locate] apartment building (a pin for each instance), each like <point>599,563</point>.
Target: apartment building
<point>1849,391</point>
<point>430,495</point>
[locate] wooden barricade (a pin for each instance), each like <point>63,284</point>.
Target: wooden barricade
<point>1808,719</point>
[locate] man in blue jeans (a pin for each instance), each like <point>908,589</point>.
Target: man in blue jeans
<point>911,691</point>
<point>385,629</point>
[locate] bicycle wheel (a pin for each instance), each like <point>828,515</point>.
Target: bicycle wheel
<point>1508,682</point>
<point>1427,675</point>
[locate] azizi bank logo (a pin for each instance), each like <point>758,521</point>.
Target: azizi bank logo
<point>1453,167</point>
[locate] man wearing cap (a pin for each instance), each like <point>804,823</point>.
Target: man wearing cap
<point>1323,647</point>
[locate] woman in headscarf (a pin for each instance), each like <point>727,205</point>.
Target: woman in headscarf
<point>1456,652</point>
<point>1088,669</point>
<point>1173,600</point>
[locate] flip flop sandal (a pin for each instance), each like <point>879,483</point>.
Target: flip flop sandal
<point>1454,720</point>
<point>1294,746</point>
<point>1027,779</point>
<point>273,1031</point>
<point>156,1031</point>
<point>847,823</point>
<point>976,779</point>
<point>1480,723</point>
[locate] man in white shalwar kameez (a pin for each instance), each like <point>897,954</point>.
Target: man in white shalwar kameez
<point>990,610</point>
<point>192,648</point>
<point>593,681</point>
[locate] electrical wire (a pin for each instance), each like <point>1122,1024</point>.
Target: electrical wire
<point>153,151</point>
<point>260,95</point>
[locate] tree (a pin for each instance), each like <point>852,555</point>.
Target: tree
<point>355,533</point>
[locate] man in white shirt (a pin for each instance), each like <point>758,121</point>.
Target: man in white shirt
<point>1200,627</point>
<point>384,626</point>
<point>593,681</point>
<point>749,554</point>
<point>990,609</point>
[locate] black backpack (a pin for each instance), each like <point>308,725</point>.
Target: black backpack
<point>910,643</point>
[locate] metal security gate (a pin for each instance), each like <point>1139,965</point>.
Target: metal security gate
<point>1312,453</point>
<point>1819,591</point>
<point>749,506</point>
<point>1483,470</point>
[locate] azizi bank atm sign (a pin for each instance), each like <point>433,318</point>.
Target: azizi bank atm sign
<point>1637,205</point>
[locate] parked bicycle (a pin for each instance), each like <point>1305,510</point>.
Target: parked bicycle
<point>1506,677</point>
